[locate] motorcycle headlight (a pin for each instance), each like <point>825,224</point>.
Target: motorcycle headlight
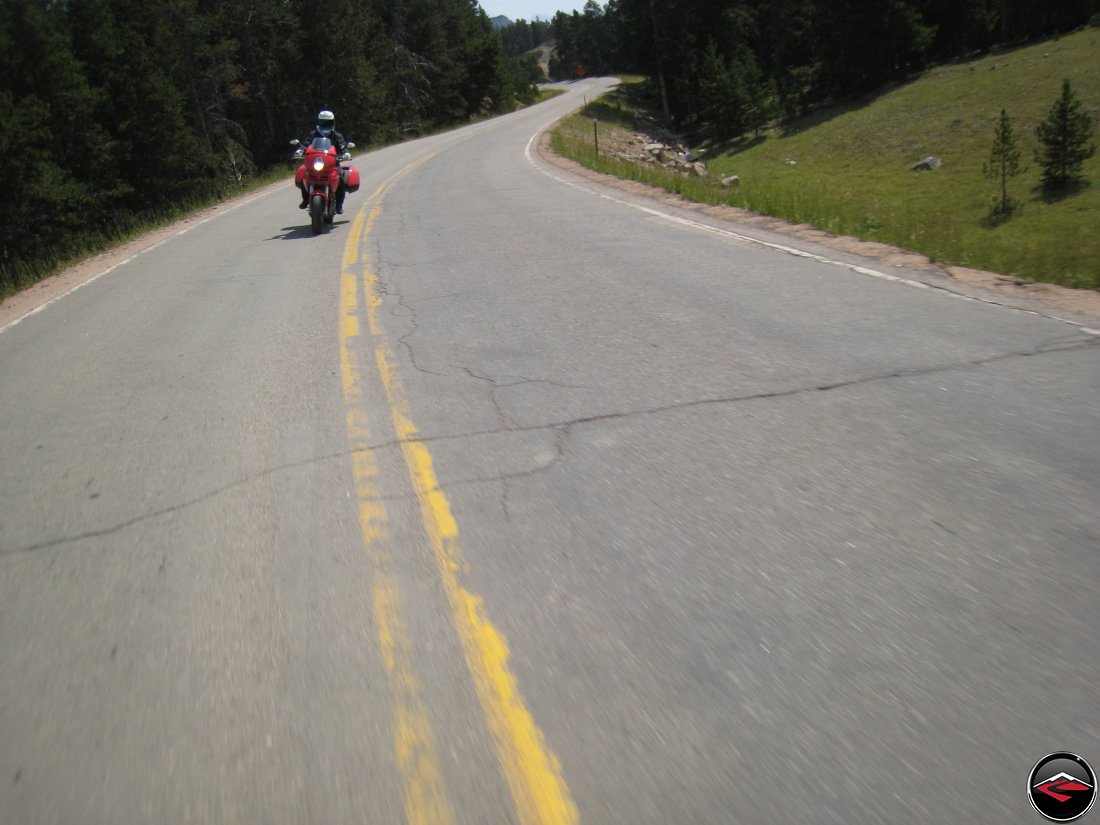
<point>318,164</point>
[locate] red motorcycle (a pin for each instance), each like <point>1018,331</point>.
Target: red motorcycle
<point>320,177</point>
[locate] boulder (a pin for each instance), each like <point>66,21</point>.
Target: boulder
<point>927,164</point>
<point>732,180</point>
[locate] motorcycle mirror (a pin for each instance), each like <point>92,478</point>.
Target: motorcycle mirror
<point>350,145</point>
<point>294,142</point>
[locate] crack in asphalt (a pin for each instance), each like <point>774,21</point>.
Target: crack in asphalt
<point>404,339</point>
<point>386,289</point>
<point>184,505</point>
<point>1058,345</point>
<point>502,419</point>
<point>503,478</point>
<point>503,427</point>
<point>562,430</point>
<point>383,288</point>
<point>504,500</point>
<point>525,380</point>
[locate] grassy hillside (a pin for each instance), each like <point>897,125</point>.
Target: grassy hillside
<point>851,172</point>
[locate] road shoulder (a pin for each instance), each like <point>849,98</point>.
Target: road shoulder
<point>16,307</point>
<point>1078,305</point>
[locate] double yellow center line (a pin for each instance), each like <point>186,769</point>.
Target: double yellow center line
<point>532,772</point>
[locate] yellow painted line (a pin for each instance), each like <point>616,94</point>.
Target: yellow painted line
<point>532,771</point>
<point>426,800</point>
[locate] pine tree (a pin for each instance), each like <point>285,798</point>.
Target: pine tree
<point>1004,162</point>
<point>751,80</point>
<point>1065,136</point>
<point>721,104</point>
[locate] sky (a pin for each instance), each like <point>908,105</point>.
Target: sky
<point>530,9</point>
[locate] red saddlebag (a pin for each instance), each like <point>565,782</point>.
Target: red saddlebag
<point>351,179</point>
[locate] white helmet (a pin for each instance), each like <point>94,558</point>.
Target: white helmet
<point>326,122</point>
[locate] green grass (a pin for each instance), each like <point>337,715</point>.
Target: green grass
<point>547,94</point>
<point>852,174</point>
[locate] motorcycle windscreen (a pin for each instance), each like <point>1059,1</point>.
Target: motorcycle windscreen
<point>321,144</point>
<point>351,179</point>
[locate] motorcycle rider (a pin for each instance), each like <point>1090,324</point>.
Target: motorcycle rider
<point>326,128</point>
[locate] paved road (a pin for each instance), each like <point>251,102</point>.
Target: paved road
<point>508,501</point>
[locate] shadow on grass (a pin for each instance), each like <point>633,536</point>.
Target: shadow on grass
<point>627,106</point>
<point>1056,193</point>
<point>999,217</point>
<point>731,146</point>
<point>824,112</point>
<point>610,112</point>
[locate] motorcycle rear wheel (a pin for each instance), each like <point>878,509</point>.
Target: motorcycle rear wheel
<point>316,213</point>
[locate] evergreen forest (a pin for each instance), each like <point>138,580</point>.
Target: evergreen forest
<point>118,111</point>
<point>727,66</point>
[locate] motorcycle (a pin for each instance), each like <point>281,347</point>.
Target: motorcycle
<point>320,177</point>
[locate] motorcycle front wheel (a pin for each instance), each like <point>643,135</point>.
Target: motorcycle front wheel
<point>316,213</point>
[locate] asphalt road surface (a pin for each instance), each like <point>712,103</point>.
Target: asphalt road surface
<point>514,499</point>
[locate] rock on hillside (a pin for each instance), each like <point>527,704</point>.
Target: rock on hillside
<point>666,150</point>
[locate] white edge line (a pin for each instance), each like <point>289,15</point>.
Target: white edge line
<point>110,269</point>
<point>789,250</point>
